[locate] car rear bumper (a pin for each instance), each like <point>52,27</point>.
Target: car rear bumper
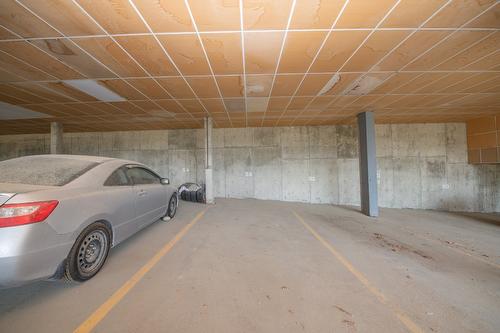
<point>30,252</point>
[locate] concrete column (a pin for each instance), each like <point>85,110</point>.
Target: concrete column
<point>209,184</point>
<point>367,164</point>
<point>56,138</point>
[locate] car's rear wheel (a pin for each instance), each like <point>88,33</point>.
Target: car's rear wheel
<point>172,206</point>
<point>88,254</point>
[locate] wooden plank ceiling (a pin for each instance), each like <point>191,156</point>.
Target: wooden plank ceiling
<point>248,62</point>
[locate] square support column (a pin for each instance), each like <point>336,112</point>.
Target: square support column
<point>56,138</point>
<point>368,164</point>
<point>209,184</point>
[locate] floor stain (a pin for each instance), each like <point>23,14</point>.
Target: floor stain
<point>396,246</point>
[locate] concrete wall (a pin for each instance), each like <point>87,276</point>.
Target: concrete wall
<point>419,165</point>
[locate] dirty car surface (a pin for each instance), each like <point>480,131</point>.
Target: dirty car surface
<point>60,214</point>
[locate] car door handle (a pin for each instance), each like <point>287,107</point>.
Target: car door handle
<point>142,193</point>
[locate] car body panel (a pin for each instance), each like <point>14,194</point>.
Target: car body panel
<point>35,251</point>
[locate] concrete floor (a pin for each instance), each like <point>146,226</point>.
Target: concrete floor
<point>253,266</point>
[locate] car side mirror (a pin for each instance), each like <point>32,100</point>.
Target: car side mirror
<point>165,181</point>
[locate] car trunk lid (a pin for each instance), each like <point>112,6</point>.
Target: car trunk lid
<point>8,190</point>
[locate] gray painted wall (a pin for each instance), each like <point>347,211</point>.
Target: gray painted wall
<point>419,165</point>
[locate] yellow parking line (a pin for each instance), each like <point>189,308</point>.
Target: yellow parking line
<point>405,320</point>
<point>99,314</point>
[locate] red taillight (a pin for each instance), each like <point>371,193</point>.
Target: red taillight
<point>25,213</point>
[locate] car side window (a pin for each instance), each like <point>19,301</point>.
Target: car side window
<point>140,176</point>
<point>117,178</point>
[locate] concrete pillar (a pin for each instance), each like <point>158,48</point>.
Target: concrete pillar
<point>367,164</point>
<point>209,184</point>
<point>56,138</point>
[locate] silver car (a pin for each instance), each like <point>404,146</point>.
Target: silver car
<point>60,214</point>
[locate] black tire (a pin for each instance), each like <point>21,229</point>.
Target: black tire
<point>200,197</point>
<point>172,206</point>
<point>192,196</point>
<point>83,261</point>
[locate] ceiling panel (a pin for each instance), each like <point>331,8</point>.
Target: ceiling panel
<point>259,85</point>
<point>20,96</point>
<point>364,14</point>
<point>319,14</point>
<point>65,16</point>
<point>394,81</point>
<point>262,50</point>
<point>469,82</point>
<point>6,34</point>
<point>41,89</point>
<point>447,48</point>
<point>339,46</point>
<point>443,82</point>
<point>487,20</point>
<point>111,55</point>
<point>491,62</point>
<point>22,69</point>
<point>458,12</point>
<point>171,105</point>
<point>312,84</point>
<point>224,52</point>
<point>177,87</point>
<point>487,86</point>
<point>165,15</point>
<point>412,13</point>
<point>299,51</point>
<point>214,106</point>
<point>8,76</point>
<point>149,53</point>
<point>418,82</point>
<point>122,88</point>
<point>204,86</point>
<point>266,14</point>
<point>231,86</point>
<point>149,87</point>
<point>378,45</point>
<point>18,19</point>
<point>415,45</point>
<point>25,51</point>
<point>216,15</point>
<point>69,53</point>
<point>483,48</point>
<point>115,16</point>
<point>174,61</point>
<point>69,91</point>
<point>285,85</point>
<point>192,106</point>
<point>299,102</point>
<point>187,53</point>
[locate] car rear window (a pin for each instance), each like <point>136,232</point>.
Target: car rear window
<point>43,170</point>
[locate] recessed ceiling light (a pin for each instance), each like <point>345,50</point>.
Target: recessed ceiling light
<point>12,112</point>
<point>329,85</point>
<point>93,88</point>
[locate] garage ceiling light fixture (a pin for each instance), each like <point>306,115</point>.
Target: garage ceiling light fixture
<point>11,112</point>
<point>93,88</point>
<point>329,85</point>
